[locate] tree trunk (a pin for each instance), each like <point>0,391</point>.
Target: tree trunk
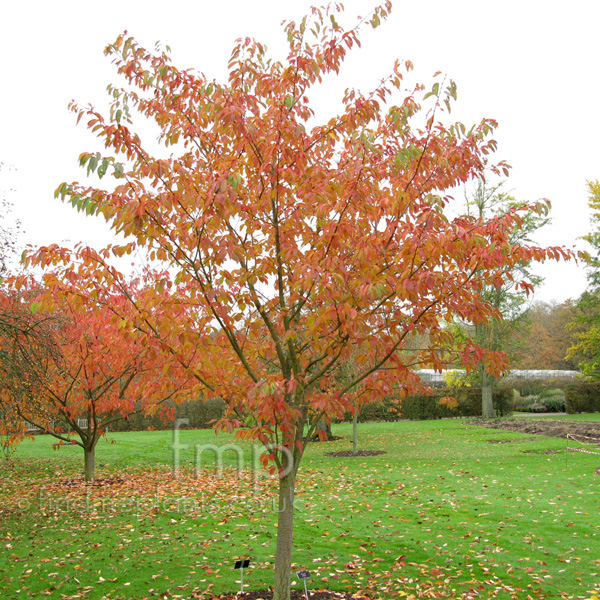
<point>326,427</point>
<point>487,404</point>
<point>90,463</point>
<point>285,536</point>
<point>355,431</point>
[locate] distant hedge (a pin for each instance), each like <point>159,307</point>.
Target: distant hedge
<point>423,407</point>
<point>199,412</point>
<point>583,397</point>
<point>469,404</point>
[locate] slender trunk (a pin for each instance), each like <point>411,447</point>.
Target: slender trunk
<point>285,536</point>
<point>90,462</point>
<point>355,431</point>
<point>326,427</point>
<point>487,404</point>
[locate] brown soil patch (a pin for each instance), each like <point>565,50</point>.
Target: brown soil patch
<point>296,595</point>
<point>349,454</point>
<point>546,427</point>
<point>98,482</point>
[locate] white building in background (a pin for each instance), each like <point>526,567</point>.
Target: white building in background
<point>438,377</point>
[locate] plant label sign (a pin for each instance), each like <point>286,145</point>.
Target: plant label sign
<point>303,576</point>
<point>242,564</point>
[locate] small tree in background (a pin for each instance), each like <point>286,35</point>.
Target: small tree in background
<point>586,321</point>
<point>508,300</point>
<point>72,370</point>
<point>19,328</point>
<point>296,242</point>
<point>12,318</point>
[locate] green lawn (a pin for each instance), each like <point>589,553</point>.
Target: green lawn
<point>444,513</point>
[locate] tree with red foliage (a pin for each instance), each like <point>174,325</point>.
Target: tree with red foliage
<point>71,370</point>
<point>297,242</point>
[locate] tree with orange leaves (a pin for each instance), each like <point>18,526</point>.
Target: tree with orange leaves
<point>71,370</point>
<point>296,241</point>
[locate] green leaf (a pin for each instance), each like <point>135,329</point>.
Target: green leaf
<point>102,168</point>
<point>92,163</point>
<point>61,190</point>
<point>289,101</point>
<point>435,90</point>
<point>76,201</point>
<point>234,180</point>
<point>406,156</point>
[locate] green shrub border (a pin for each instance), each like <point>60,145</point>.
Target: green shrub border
<point>423,407</point>
<point>200,414</point>
<point>582,397</point>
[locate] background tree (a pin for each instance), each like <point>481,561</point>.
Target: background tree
<point>413,358</point>
<point>543,338</point>
<point>297,242</point>
<point>12,318</point>
<point>586,320</point>
<point>19,328</point>
<point>508,300</point>
<point>71,371</point>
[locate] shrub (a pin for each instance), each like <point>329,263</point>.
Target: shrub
<point>552,393</point>
<point>417,408</point>
<point>434,406</point>
<point>200,414</point>
<point>469,404</point>
<point>528,387</point>
<point>551,403</point>
<point>523,404</point>
<point>388,410</point>
<point>540,387</point>
<point>503,401</point>
<point>554,404</point>
<point>583,397</point>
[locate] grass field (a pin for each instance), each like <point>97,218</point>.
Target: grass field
<point>446,512</point>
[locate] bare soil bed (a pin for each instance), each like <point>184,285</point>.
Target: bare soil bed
<point>546,427</point>
<point>350,454</point>
<point>296,595</point>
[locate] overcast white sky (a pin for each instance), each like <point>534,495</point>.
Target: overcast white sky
<point>531,65</point>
